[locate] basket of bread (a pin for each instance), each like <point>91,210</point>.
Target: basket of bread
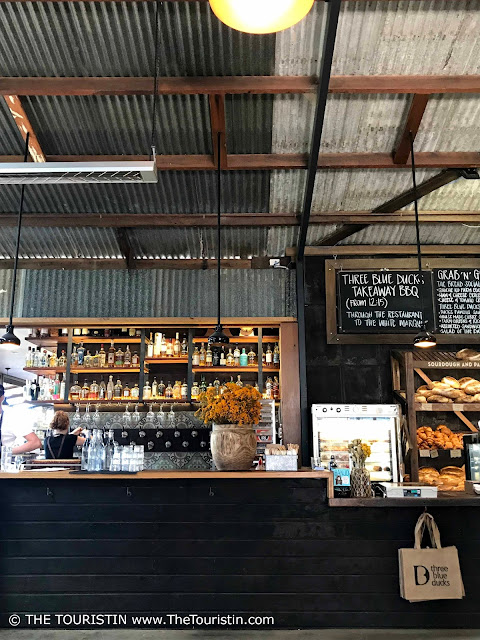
<point>447,479</point>
<point>440,438</point>
<point>449,389</point>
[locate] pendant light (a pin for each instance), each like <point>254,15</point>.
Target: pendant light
<point>424,338</point>
<point>9,340</point>
<point>218,337</point>
<point>260,16</point>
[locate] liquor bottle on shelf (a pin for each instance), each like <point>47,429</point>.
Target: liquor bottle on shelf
<point>110,388</point>
<point>195,391</point>
<point>63,332</point>
<point>203,355</point>
<point>56,388</point>
<point>276,388</point>
<point>177,390</point>
<point>184,390</point>
<point>94,391</point>
<point>77,331</point>
<point>85,391</point>
<point>236,356</point>
<point>118,390</point>
<point>154,388</point>
<point>34,390</point>
<point>184,348</point>
<point>252,358</point>
<point>52,361</point>
<point>135,359</point>
<point>208,357</point>
<point>203,385</point>
<point>243,358</point>
<point>81,354</point>
<point>163,347</point>
<point>74,358</point>
<point>157,345</point>
<point>269,357</point>
<point>127,361</point>
<point>177,346</point>
<point>119,357</point>
<point>111,356</point>
<point>215,357</point>
<point>96,360</point>
<point>196,357</point>
<point>239,382</point>
<point>150,347</point>
<point>230,358</point>
<point>102,357</point>
<point>62,361</point>
<point>147,391</point>
<point>102,390</point>
<point>276,355</point>
<point>169,391</point>
<point>107,333</point>
<point>223,358</point>
<point>216,384</point>
<point>161,390</point>
<point>75,391</point>
<point>269,389</point>
<point>131,332</point>
<point>28,358</point>
<point>88,360</point>
<point>135,392</point>
<point>45,358</point>
<point>85,332</point>
<point>126,392</point>
<point>62,388</point>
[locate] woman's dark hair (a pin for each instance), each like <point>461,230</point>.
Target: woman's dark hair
<point>60,421</point>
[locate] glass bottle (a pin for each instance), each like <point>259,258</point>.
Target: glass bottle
<point>252,358</point>
<point>203,355</point>
<point>127,360</point>
<point>243,358</point>
<point>169,391</point>
<point>157,345</point>
<point>184,351</point>
<point>62,388</point>
<point>45,358</point>
<point>85,391</point>
<point>276,355</point>
<point>184,390</point>
<point>87,360</point>
<point>75,391</point>
<point>239,382</point>
<point>85,332</point>
<point>52,361</point>
<point>208,357</point>
<point>269,357</point>
<point>102,357</point>
<point>230,358</point>
<point>161,390</point>
<point>74,359</point>
<point>117,390</point>
<point>135,359</point>
<point>269,389</point>
<point>135,392</point>
<point>110,388</point>
<point>203,385</point>
<point>28,357</point>
<point>177,390</point>
<point>163,346</point>
<point>276,388</point>
<point>154,388</point>
<point>109,449</point>
<point>147,391</point>
<point>216,357</point>
<point>216,384</point>
<point>96,360</point>
<point>126,392</point>
<point>150,346</point>
<point>102,390</point>
<point>56,388</point>
<point>77,331</point>
<point>111,356</point>
<point>94,391</point>
<point>223,358</point>
<point>236,355</point>
<point>119,357</point>
<point>131,332</point>
<point>86,445</point>
<point>195,390</point>
<point>196,357</point>
<point>62,361</point>
<point>177,346</point>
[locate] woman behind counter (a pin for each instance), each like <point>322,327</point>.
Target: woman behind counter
<point>61,443</point>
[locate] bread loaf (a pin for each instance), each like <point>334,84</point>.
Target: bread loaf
<point>464,381</point>
<point>420,399</point>
<point>468,354</point>
<point>429,475</point>
<point>440,385</point>
<point>453,382</point>
<point>454,394</point>
<point>438,398</point>
<point>472,388</point>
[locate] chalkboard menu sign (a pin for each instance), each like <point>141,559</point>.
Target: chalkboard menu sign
<point>457,300</point>
<point>382,301</point>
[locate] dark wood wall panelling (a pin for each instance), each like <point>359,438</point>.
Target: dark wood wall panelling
<point>268,547</point>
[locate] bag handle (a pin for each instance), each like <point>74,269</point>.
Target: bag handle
<point>426,519</point>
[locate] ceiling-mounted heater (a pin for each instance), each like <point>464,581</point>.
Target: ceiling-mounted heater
<point>78,172</point>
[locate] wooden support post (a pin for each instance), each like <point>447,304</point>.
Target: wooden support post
<point>218,126</point>
<point>24,126</point>
<point>414,118</point>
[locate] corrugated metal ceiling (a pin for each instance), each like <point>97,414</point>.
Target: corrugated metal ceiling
<point>397,234</point>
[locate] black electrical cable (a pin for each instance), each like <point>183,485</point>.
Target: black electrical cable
<point>155,78</point>
<point>219,195</point>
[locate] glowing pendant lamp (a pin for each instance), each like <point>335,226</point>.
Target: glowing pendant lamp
<point>260,16</point>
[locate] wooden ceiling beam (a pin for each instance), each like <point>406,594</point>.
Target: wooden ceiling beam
<point>126,247</point>
<point>414,118</point>
<point>398,250</point>
<point>24,125</point>
<point>286,161</point>
<point>119,263</point>
<point>73,86</point>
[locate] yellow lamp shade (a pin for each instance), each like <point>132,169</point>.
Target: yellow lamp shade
<point>260,16</point>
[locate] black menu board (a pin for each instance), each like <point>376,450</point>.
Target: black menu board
<point>382,301</point>
<point>457,300</point>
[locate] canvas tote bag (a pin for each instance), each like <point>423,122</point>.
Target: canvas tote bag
<point>429,574</point>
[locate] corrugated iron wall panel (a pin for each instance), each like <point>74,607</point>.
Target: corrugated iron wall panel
<point>168,293</point>
<point>116,39</point>
<point>249,123</point>
<point>397,234</point>
<point>460,195</point>
<point>111,125</point>
<point>10,139</point>
<point>6,277</point>
<point>450,123</point>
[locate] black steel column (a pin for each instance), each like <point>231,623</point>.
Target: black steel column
<point>333,10</point>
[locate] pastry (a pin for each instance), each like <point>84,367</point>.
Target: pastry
<point>472,388</point>
<point>418,398</point>
<point>468,354</point>
<point>464,381</point>
<point>429,475</point>
<point>454,394</point>
<point>453,382</point>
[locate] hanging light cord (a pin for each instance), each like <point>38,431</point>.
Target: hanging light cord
<point>219,193</point>
<point>417,229</point>
<point>19,229</point>
<point>155,79</point>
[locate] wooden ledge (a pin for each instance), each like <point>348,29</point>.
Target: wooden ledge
<point>445,499</point>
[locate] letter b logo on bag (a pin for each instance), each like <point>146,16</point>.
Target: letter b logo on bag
<point>423,574</point>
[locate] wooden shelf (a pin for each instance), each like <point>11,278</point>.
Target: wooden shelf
<point>43,403</point>
<point>173,360</point>
<point>97,340</point>
<point>241,340</point>
<point>106,370</point>
<point>446,406</point>
<point>225,369</point>
<point>43,370</point>
<point>47,343</point>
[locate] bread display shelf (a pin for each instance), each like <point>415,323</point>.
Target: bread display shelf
<point>446,406</point>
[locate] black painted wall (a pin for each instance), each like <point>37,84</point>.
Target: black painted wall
<point>244,547</point>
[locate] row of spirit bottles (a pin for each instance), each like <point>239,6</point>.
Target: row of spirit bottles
<point>45,388</point>
<point>162,347</point>
<point>113,358</point>
<point>234,357</point>
<point>41,359</point>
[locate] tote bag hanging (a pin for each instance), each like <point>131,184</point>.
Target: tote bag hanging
<point>429,574</point>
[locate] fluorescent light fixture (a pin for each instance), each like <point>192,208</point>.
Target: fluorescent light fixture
<point>78,172</point>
